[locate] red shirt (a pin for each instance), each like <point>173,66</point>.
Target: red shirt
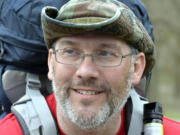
<point>10,126</point>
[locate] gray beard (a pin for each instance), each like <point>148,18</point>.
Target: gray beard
<point>91,120</point>
<point>84,121</point>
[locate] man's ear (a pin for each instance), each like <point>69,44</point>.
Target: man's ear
<point>50,66</point>
<point>139,66</point>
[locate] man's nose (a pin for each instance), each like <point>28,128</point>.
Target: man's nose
<point>87,69</point>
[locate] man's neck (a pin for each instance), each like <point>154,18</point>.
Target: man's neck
<point>69,128</point>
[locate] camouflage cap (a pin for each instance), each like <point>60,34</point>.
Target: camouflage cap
<point>101,17</point>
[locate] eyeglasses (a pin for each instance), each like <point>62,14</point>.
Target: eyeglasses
<point>103,58</point>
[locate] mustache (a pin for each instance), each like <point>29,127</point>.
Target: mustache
<point>104,86</point>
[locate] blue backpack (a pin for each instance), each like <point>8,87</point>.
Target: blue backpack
<point>22,47</point>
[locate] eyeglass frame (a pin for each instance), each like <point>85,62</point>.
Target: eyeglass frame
<point>134,51</point>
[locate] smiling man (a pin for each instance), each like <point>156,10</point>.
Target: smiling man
<point>92,76</point>
<point>98,52</point>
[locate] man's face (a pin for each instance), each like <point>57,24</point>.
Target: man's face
<point>89,94</point>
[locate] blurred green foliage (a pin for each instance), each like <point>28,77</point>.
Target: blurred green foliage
<point>165,83</point>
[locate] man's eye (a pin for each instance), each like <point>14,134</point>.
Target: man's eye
<point>105,53</point>
<point>70,51</point>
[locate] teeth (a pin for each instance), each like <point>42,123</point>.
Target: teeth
<point>87,92</point>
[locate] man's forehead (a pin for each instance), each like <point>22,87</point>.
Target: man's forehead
<point>101,41</point>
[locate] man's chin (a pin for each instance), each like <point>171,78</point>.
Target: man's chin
<point>88,117</point>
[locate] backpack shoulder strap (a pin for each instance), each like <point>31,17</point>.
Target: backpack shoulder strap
<point>136,121</point>
<point>32,110</point>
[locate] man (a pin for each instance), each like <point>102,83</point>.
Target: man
<point>98,51</point>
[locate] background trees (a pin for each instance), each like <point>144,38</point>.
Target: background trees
<point>165,83</point>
